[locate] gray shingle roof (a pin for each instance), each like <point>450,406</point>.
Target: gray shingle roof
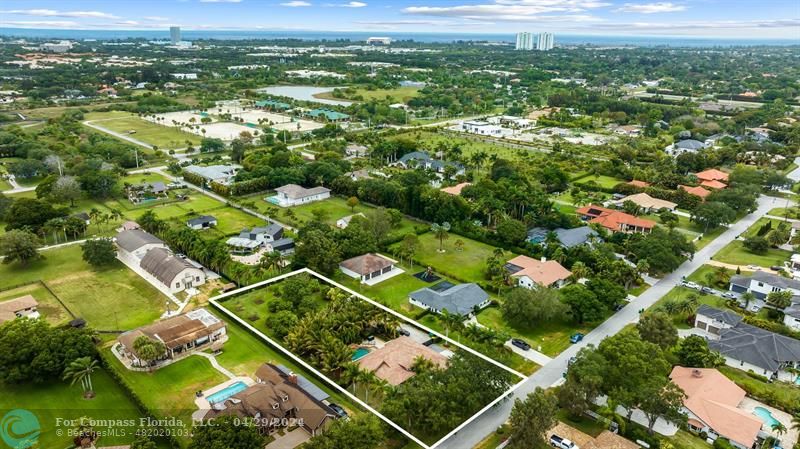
<point>460,299</point>
<point>163,265</point>
<point>568,237</point>
<point>295,191</point>
<point>725,316</point>
<point>756,346</point>
<point>201,220</point>
<point>136,238</point>
<point>690,144</point>
<point>767,278</point>
<point>310,388</point>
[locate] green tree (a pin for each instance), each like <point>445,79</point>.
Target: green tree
<point>227,432</point>
<point>693,352</point>
<point>148,350</point>
<point>19,246</point>
<point>712,214</point>
<point>780,300</point>
<point>756,244</point>
<point>657,328</point>
<point>359,433</point>
<point>583,303</point>
<point>66,189</point>
<point>319,251</point>
<point>532,418</point>
<point>352,203</point>
<point>99,252</point>
<point>512,232</point>
<point>665,400</point>
<point>525,308</point>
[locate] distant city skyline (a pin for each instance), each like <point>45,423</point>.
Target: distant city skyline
<point>700,18</point>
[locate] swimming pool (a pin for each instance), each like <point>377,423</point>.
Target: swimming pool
<point>226,392</point>
<point>360,352</point>
<point>766,416</point>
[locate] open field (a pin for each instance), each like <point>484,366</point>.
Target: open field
<point>466,265</point>
<point>735,253</point>
<point>277,121</point>
<point>57,399</point>
<point>112,298</point>
<point>164,137</point>
<point>429,140</point>
<point>397,95</point>
<point>603,181</point>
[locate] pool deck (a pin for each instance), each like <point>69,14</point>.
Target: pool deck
<point>790,437</point>
<point>202,403</point>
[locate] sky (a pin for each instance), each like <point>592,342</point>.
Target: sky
<point>701,18</point>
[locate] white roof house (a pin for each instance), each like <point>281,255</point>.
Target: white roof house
<point>293,195</point>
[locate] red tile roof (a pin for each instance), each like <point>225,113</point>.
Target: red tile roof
<point>641,184</point>
<point>712,174</point>
<point>613,219</point>
<point>697,191</point>
<point>714,184</point>
<point>542,272</point>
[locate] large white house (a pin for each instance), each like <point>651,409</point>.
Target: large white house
<point>176,273</point>
<point>294,195</point>
<point>133,244</point>
<point>761,284</point>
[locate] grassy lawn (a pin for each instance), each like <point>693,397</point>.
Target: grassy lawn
<point>552,337</point>
<point>232,221</point>
<point>752,231</point>
<point>735,253</point>
<point>393,292</point>
<point>603,181</point>
<point>791,212</point>
<point>398,94</point>
<point>4,185</point>
<point>588,426</point>
<point>170,391</point>
<point>685,440</point>
<point>113,298</point>
<point>780,394</point>
<point>429,140</point>
<point>56,399</point>
<point>164,137</point>
<point>467,265</point>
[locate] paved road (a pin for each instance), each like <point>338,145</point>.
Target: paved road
<point>15,187</point>
<point>551,373</point>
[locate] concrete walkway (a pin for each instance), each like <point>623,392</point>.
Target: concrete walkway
<point>733,267</point>
<point>15,187</point>
<point>127,138</point>
<point>216,364</point>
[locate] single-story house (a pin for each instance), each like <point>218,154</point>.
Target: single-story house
<point>129,226</point>
<point>715,185</point>
<point>791,316</point>
<point>344,222</point>
<point>263,234</point>
<point>221,174</point>
<point>84,217</point>
<point>639,184</point>
<point>568,238</point>
<point>175,273</point>
<point>135,243</point>
<point>615,220</point>
<point>242,246</point>
<point>358,175</point>
<point>24,306</point>
<point>456,189</point>
<point>393,362</point>
<point>712,406</point>
<point>531,273</point>
<point>421,159</point>
<point>712,174</point>
<point>369,267</point>
<point>355,150</point>
<point>685,146</point>
<point>481,127</point>
<point>274,400</point>
<point>696,191</point>
<point>765,353</point>
<point>713,320</point>
<point>202,222</point>
<point>293,195</point>
<point>461,299</point>
<point>647,202</point>
<point>761,284</point>
<point>181,335</point>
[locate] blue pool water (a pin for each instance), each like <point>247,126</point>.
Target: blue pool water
<point>226,392</point>
<point>360,352</point>
<point>766,416</point>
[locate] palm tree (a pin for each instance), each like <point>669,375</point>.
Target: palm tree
<point>441,231</point>
<point>779,428</point>
<point>796,422</point>
<point>450,321</point>
<point>80,370</point>
<point>748,297</point>
<point>350,375</point>
<point>580,270</point>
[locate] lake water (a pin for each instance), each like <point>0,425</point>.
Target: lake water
<point>304,93</point>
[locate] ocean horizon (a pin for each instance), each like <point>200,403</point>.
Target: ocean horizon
<point>356,36</point>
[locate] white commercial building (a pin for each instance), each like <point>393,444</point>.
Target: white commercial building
<point>545,41</point>
<point>175,34</point>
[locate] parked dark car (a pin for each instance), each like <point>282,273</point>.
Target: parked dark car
<point>619,306</point>
<point>521,344</point>
<point>404,332</point>
<point>338,410</point>
<point>574,338</point>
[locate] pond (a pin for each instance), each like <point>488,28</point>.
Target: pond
<point>304,93</point>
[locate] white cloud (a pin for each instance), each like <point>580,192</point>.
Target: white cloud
<point>667,27</point>
<point>295,4</point>
<point>40,23</point>
<point>651,8</point>
<point>516,10</point>
<point>353,5</point>
<point>54,13</point>
<point>220,1</point>
<point>157,18</point>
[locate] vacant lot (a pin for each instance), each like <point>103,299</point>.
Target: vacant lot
<point>735,253</point>
<point>603,181</point>
<point>467,264</point>
<point>111,298</point>
<point>164,137</point>
<point>49,306</point>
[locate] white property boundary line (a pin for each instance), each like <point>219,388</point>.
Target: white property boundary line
<point>215,302</point>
